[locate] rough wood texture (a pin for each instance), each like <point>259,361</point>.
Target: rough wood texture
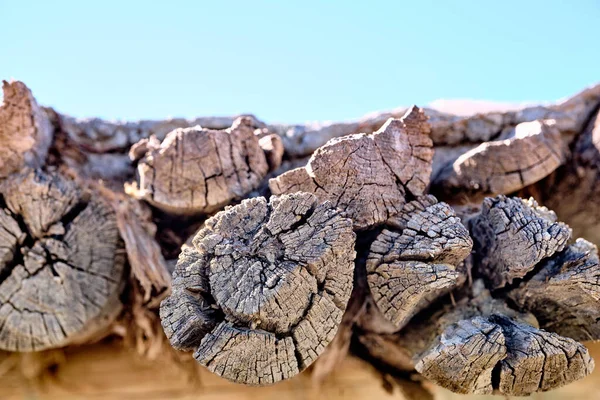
<point>263,290</point>
<point>197,170</point>
<point>579,183</point>
<point>410,267</point>
<point>564,294</point>
<point>62,271</point>
<point>481,347</point>
<point>25,130</point>
<point>538,361</point>
<point>147,264</point>
<point>368,175</point>
<point>530,152</point>
<point>300,140</point>
<point>512,235</point>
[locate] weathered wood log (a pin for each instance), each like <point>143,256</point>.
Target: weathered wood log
<point>368,176</point>
<point>411,266</point>
<point>25,130</point>
<point>512,235</point>
<point>482,346</point>
<point>564,294</point>
<point>528,153</point>
<point>62,263</point>
<point>147,264</point>
<point>263,290</point>
<point>197,170</point>
<point>574,190</point>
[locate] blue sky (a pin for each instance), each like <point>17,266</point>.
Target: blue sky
<point>294,61</point>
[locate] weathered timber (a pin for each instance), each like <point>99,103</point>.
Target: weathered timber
<point>483,347</point>
<point>197,170</point>
<point>263,290</point>
<point>565,292</point>
<point>368,176</point>
<point>25,130</point>
<point>574,190</point>
<point>528,153</point>
<point>414,264</point>
<point>512,235</point>
<point>62,263</point>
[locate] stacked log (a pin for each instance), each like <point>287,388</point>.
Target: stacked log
<point>396,236</point>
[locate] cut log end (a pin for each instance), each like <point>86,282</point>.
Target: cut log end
<point>409,268</point>
<point>529,152</point>
<point>368,175</point>
<point>198,171</point>
<point>62,271</point>
<point>512,235</point>
<point>565,292</point>
<point>263,289</point>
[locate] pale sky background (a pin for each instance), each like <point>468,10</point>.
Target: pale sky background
<point>293,61</point>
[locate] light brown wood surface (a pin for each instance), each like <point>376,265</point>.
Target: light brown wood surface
<point>110,371</point>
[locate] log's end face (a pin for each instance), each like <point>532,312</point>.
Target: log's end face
<point>496,354</point>
<point>512,235</point>
<point>368,175</point>
<point>198,171</point>
<point>61,280</point>
<point>465,357</point>
<point>263,290</point>
<point>538,361</point>
<point>530,152</point>
<point>565,292</point>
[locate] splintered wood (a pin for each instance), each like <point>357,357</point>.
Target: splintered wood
<point>368,175</point>
<point>312,241</point>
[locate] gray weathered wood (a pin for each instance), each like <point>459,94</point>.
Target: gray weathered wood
<point>62,265</point>
<point>197,170</point>
<point>483,347</point>
<point>263,290</point>
<point>565,292</point>
<point>528,153</point>
<point>411,266</point>
<point>368,175</point>
<point>512,235</point>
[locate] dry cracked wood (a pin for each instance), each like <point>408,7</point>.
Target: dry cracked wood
<point>512,235</point>
<point>447,130</point>
<point>263,289</point>
<point>408,268</point>
<point>531,152</point>
<point>62,263</point>
<point>579,183</point>
<point>481,347</point>
<point>368,175</point>
<point>25,130</point>
<point>197,170</point>
<point>564,294</point>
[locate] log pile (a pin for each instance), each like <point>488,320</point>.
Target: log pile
<point>412,238</point>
